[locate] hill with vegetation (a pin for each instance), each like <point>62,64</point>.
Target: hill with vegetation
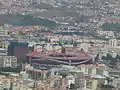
<point>25,20</point>
<point>111,27</point>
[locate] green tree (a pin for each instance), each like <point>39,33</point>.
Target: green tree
<point>109,57</point>
<point>97,58</point>
<point>72,86</point>
<point>117,57</point>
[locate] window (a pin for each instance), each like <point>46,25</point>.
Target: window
<point>99,71</point>
<point>89,71</point>
<point>88,84</point>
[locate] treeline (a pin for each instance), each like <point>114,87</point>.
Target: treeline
<point>111,27</point>
<point>25,20</point>
<point>109,59</point>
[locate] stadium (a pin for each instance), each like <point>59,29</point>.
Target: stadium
<point>62,56</point>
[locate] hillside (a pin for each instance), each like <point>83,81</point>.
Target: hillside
<point>25,20</point>
<point>111,27</point>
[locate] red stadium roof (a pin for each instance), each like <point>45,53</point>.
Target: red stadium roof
<point>71,54</point>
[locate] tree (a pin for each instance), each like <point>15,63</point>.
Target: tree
<point>72,86</point>
<point>103,57</point>
<point>109,57</point>
<point>97,57</point>
<point>117,57</point>
<point>108,80</point>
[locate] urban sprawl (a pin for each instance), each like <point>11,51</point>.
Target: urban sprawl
<point>77,47</point>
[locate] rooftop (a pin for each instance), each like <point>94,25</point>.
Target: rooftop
<point>70,53</point>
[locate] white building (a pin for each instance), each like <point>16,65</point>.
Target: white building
<point>85,46</point>
<point>112,42</point>
<point>8,61</point>
<point>71,80</point>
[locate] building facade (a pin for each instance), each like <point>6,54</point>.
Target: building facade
<point>8,61</point>
<point>18,49</point>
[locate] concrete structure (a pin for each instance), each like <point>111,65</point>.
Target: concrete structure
<point>8,61</point>
<point>106,88</point>
<point>3,52</point>
<point>94,75</point>
<point>18,49</point>
<point>64,55</point>
<point>113,42</point>
<point>36,74</point>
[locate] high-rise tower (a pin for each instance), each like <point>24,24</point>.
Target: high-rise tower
<point>18,49</point>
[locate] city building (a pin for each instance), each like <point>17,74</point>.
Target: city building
<point>64,55</point>
<point>8,61</point>
<point>18,49</point>
<point>113,42</point>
